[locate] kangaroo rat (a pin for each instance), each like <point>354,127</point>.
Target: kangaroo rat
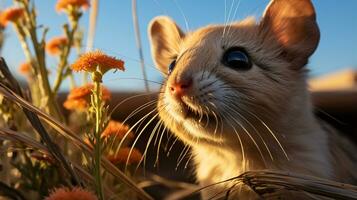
<point>237,94</point>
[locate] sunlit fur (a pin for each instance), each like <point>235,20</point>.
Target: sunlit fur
<point>261,118</point>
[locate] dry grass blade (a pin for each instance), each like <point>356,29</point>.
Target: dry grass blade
<point>267,183</point>
<point>155,180</point>
<point>298,182</point>
<point>8,134</point>
<point>92,24</point>
<point>66,132</point>
<point>6,191</point>
<point>37,125</point>
<point>179,190</point>
<point>138,43</point>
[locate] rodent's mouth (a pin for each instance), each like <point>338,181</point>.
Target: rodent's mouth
<point>199,123</point>
<point>193,119</point>
<point>200,117</point>
<point>187,111</point>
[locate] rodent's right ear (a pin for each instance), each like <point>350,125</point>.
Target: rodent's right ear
<point>165,38</point>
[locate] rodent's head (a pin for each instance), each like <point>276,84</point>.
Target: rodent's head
<point>219,76</point>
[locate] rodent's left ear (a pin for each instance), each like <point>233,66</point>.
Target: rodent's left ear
<point>165,38</point>
<point>292,23</point>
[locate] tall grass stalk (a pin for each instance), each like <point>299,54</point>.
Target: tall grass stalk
<point>138,43</point>
<point>93,16</point>
<point>97,104</point>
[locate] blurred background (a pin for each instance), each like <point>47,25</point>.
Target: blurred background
<point>115,32</point>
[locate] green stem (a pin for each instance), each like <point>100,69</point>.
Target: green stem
<point>24,45</point>
<point>36,98</point>
<point>64,57</point>
<point>98,106</point>
<point>39,50</point>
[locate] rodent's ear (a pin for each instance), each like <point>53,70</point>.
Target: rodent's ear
<point>292,23</point>
<point>165,37</point>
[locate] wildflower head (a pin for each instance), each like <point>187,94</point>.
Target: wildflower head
<point>11,15</point>
<point>122,156</point>
<point>76,104</point>
<point>68,5</point>
<point>79,98</point>
<point>71,194</point>
<point>56,45</point>
<point>117,130</point>
<point>86,90</point>
<point>97,61</point>
<point>25,68</point>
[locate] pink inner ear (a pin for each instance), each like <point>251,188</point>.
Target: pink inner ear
<point>292,31</point>
<point>165,37</point>
<point>293,24</point>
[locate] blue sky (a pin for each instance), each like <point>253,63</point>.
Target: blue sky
<point>115,33</point>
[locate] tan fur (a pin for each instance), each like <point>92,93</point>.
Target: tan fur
<point>256,119</point>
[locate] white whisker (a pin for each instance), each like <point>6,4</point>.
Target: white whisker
<point>272,133</point>
<point>137,138</point>
<point>255,130</point>
<point>231,23</point>
<point>158,149</point>
<point>182,156</point>
<point>183,15</point>
<point>250,136</point>
<point>131,128</point>
<point>172,145</point>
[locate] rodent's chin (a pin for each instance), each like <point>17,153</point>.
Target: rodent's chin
<point>192,125</point>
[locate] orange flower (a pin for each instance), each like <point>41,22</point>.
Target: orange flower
<point>11,15</point>
<point>76,104</point>
<point>122,156</point>
<point>25,68</point>
<point>86,90</point>
<point>71,194</point>
<point>79,98</point>
<point>56,44</point>
<point>91,60</point>
<point>67,4</point>
<point>117,130</point>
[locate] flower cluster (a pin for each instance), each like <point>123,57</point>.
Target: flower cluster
<point>63,5</point>
<point>11,15</point>
<point>25,68</point>
<point>79,98</point>
<point>71,194</point>
<point>56,45</point>
<point>122,157</point>
<point>97,61</point>
<point>117,130</point>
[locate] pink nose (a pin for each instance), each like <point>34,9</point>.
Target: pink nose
<point>180,88</point>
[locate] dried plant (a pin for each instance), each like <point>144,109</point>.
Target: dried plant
<point>44,157</point>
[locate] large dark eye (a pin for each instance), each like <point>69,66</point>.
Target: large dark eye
<point>172,66</point>
<point>237,58</point>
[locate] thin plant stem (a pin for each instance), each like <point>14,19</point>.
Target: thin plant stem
<point>31,30</point>
<point>36,99</point>
<point>91,31</point>
<point>98,107</point>
<point>64,56</point>
<point>138,43</point>
<point>24,44</point>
